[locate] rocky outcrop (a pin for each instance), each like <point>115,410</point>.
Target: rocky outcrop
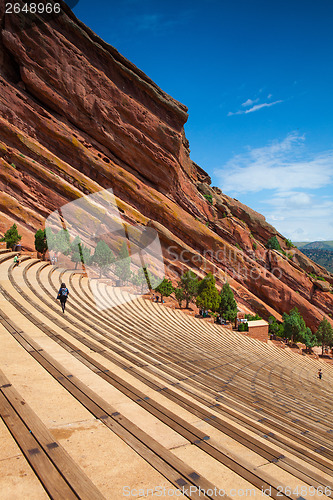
<point>324,286</point>
<point>77,117</point>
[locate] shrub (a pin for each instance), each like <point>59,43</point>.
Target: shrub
<point>243,327</point>
<point>251,317</point>
<point>254,245</point>
<point>289,243</point>
<point>209,198</point>
<point>237,245</point>
<point>273,244</point>
<point>314,276</point>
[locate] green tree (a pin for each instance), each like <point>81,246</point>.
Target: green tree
<point>80,253</point>
<point>274,327</point>
<point>122,268</point>
<point>103,256</point>
<point>41,242</point>
<point>61,242</point>
<point>324,334</point>
<point>11,237</point>
<point>309,339</point>
<point>140,278</point>
<point>294,326</point>
<point>189,283</point>
<point>204,282</point>
<point>209,298</point>
<point>165,288</point>
<point>228,305</point>
<point>50,238</point>
<point>273,243</point>
<point>180,296</point>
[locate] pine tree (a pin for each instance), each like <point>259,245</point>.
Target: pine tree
<point>165,288</point>
<point>140,279</point>
<point>204,282</point>
<point>309,339</point>
<point>80,253</point>
<point>180,296</point>
<point>209,298</point>
<point>274,327</point>
<point>122,268</point>
<point>228,305</point>
<point>324,334</point>
<point>189,284</point>
<point>103,256</point>
<point>294,326</point>
<point>41,242</point>
<point>61,242</point>
<point>11,237</point>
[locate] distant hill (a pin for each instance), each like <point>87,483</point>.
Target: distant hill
<point>321,256</point>
<point>320,252</point>
<point>320,245</point>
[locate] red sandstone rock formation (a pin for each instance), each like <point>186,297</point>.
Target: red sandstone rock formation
<point>77,117</point>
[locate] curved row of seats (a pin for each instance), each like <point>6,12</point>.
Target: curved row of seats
<point>193,404</point>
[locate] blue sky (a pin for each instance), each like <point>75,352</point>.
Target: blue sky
<point>257,78</point>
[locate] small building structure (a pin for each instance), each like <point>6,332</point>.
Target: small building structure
<point>258,329</point>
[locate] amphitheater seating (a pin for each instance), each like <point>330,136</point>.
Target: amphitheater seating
<point>99,402</point>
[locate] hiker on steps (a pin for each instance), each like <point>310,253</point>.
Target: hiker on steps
<point>63,296</point>
<point>320,374</point>
<point>16,261</point>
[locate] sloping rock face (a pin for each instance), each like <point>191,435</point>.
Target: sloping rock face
<point>77,117</point>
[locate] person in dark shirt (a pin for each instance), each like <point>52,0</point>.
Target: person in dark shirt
<point>63,296</point>
<point>320,374</point>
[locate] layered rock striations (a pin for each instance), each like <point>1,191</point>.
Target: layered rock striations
<point>77,117</point>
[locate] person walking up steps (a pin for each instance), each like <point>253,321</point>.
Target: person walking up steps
<point>320,374</point>
<point>63,296</point>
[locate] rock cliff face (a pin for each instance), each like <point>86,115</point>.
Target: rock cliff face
<point>77,117</point>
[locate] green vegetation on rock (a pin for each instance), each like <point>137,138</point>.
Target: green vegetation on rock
<point>11,237</point>
<point>273,244</point>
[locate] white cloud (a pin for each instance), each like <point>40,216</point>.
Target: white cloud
<point>250,102</point>
<point>278,167</point>
<point>264,105</point>
<point>254,108</point>
<point>294,187</point>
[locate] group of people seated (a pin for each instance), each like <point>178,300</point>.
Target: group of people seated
<point>220,321</point>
